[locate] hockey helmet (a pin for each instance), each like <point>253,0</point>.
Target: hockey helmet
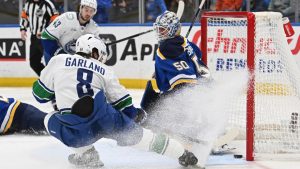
<point>89,3</point>
<point>167,25</point>
<point>88,43</point>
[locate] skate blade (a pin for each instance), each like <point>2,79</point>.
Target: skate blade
<point>195,167</point>
<point>89,166</point>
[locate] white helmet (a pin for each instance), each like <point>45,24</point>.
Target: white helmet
<point>89,3</point>
<point>167,25</point>
<point>88,43</point>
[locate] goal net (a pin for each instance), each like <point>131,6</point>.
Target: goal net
<point>254,45</point>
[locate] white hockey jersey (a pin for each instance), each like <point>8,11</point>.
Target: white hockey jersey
<point>66,29</point>
<point>70,77</point>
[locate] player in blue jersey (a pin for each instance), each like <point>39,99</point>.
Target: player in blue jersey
<point>104,108</point>
<point>177,61</point>
<point>18,117</point>
<point>178,67</point>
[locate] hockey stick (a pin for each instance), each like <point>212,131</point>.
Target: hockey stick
<point>129,37</point>
<point>179,13</point>
<point>180,9</point>
<point>194,19</point>
<point>226,138</point>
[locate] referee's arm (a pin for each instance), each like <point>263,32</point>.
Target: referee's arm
<point>52,12</point>
<point>24,23</point>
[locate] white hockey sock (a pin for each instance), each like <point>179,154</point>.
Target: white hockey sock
<point>160,143</point>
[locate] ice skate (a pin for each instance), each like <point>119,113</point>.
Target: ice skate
<point>89,159</point>
<point>187,159</point>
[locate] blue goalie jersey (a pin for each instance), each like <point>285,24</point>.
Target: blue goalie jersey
<point>176,61</point>
<point>8,107</point>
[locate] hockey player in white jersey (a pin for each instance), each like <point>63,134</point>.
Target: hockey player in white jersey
<point>107,112</point>
<point>60,36</point>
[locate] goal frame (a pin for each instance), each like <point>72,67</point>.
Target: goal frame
<point>250,103</point>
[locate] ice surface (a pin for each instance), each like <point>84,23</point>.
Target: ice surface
<point>45,152</point>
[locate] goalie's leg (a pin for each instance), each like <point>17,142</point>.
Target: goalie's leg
<point>150,97</point>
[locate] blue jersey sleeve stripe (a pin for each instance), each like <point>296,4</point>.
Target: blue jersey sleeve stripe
<point>154,85</point>
<point>5,108</point>
<point>184,43</point>
<point>160,55</point>
<point>181,76</point>
<point>9,114</point>
<point>180,81</point>
<point>11,117</point>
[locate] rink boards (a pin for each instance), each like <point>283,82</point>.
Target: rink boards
<point>132,60</point>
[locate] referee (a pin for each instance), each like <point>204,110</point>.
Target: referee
<point>36,14</point>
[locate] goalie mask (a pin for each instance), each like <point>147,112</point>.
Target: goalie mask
<point>92,47</point>
<point>167,25</point>
<point>89,3</point>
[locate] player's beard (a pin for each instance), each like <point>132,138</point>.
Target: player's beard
<point>85,19</point>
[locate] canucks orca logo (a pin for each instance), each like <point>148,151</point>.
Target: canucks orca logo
<point>70,46</point>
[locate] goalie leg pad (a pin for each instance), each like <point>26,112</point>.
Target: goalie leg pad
<point>150,97</point>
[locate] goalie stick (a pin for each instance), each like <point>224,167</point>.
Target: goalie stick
<point>194,19</point>
<point>228,136</point>
<point>179,13</point>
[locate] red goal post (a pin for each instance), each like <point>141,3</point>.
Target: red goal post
<point>233,42</point>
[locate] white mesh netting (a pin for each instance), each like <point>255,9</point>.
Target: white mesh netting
<point>277,77</point>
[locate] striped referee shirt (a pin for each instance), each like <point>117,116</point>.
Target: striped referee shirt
<point>37,14</point>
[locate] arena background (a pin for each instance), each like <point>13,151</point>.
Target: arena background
<point>132,60</point>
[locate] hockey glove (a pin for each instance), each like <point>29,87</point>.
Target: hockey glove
<point>141,116</point>
<point>54,105</point>
<point>204,72</point>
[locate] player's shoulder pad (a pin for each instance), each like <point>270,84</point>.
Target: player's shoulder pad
<point>68,16</point>
<point>92,24</point>
<point>58,58</point>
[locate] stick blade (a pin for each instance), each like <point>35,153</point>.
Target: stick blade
<point>180,9</point>
<point>229,136</point>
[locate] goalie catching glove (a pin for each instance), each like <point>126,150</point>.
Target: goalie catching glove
<point>204,72</point>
